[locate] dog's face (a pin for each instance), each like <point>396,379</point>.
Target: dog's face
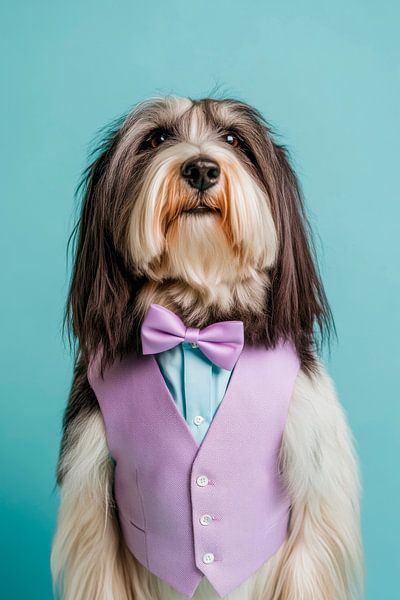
<point>200,210</point>
<point>193,205</point>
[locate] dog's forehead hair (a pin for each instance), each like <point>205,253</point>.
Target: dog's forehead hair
<point>192,120</point>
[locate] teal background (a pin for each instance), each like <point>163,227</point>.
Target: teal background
<point>326,74</point>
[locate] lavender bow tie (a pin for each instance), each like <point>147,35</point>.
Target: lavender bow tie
<point>221,342</point>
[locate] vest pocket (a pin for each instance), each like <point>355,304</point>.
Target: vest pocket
<point>129,499</point>
<point>136,526</point>
<point>135,538</point>
<point>133,521</point>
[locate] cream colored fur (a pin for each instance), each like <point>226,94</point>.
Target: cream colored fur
<point>321,559</point>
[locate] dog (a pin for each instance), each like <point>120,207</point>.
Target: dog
<point>192,207</point>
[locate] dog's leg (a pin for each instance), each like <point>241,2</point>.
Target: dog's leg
<point>89,559</point>
<point>322,557</point>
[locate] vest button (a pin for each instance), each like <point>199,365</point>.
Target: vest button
<point>198,420</point>
<point>205,519</point>
<point>202,480</point>
<point>208,558</point>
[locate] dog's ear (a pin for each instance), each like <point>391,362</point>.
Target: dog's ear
<point>99,312</point>
<point>297,304</point>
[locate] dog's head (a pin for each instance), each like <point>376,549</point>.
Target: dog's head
<point>192,204</point>
<point>200,212</point>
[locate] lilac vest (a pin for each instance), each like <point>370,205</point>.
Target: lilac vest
<point>218,509</point>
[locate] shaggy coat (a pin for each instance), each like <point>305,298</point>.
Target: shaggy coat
<point>240,250</point>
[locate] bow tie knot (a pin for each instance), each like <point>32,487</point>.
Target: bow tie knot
<point>192,335</point>
<point>220,342</point>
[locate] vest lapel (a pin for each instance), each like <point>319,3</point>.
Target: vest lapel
<point>230,391</point>
<point>168,398</point>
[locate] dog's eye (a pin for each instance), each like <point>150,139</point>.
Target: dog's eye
<point>232,140</point>
<point>157,138</point>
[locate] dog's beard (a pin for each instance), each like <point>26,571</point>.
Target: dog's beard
<point>231,241</point>
<point>198,252</point>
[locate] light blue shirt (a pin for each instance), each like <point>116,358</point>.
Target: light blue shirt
<point>196,384</point>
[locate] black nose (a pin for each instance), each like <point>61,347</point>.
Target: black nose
<point>201,172</point>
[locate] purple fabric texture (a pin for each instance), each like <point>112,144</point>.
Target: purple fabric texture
<point>158,463</point>
<point>221,342</point>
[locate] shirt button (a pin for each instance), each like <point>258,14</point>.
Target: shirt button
<point>205,519</point>
<point>208,558</point>
<point>202,480</point>
<point>194,345</point>
<point>198,420</point>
